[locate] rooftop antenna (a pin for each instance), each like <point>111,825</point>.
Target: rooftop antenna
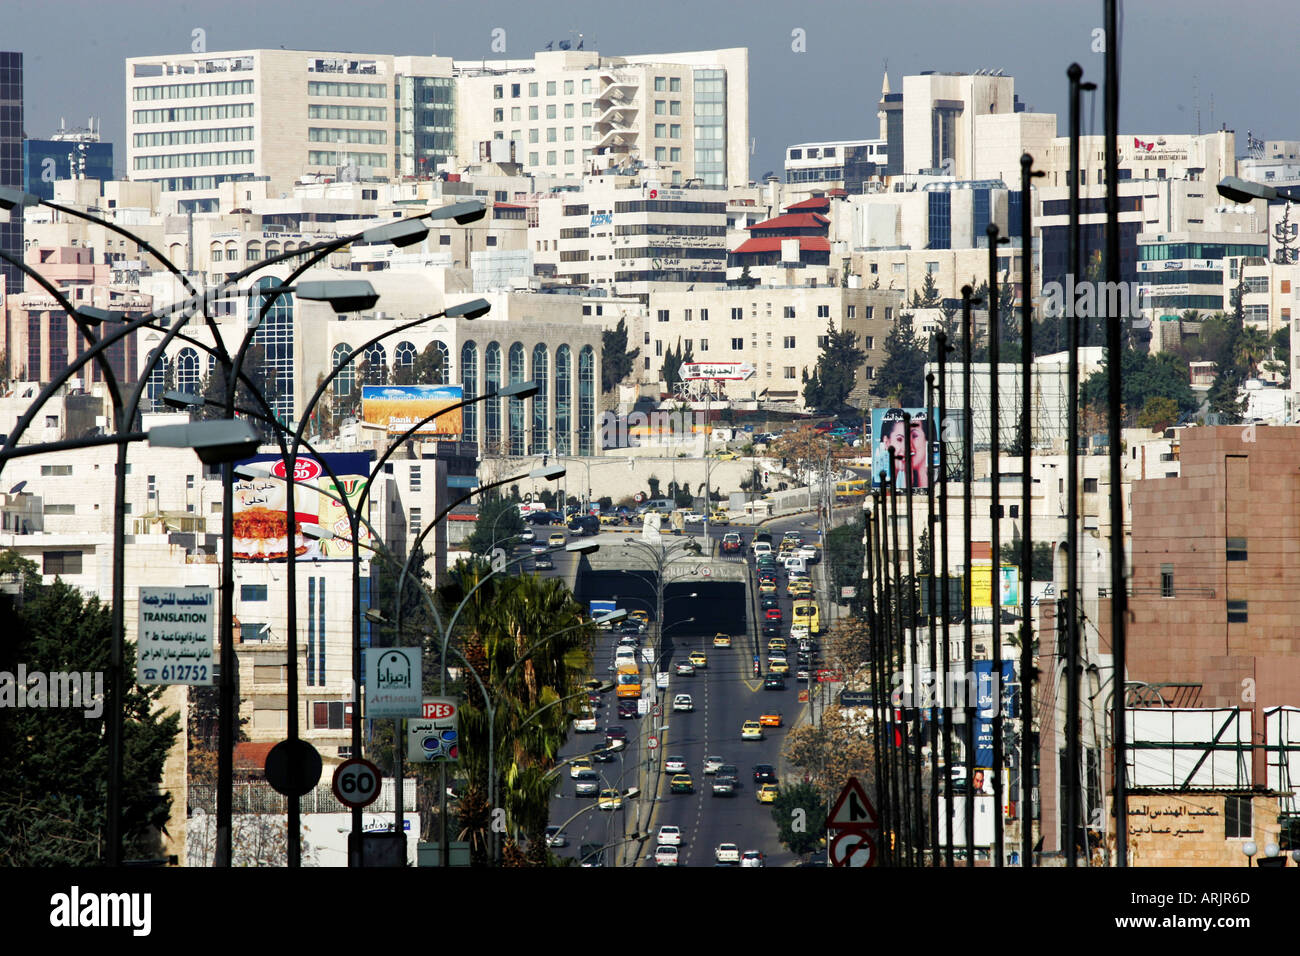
<point>1196,103</point>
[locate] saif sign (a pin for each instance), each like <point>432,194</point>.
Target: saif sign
<point>434,737</point>
<point>394,681</point>
<point>175,642</point>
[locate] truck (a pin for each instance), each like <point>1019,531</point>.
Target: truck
<point>629,681</point>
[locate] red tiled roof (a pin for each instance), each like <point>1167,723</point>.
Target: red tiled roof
<point>251,756</point>
<point>799,220</point>
<point>809,205</point>
<point>773,244</point>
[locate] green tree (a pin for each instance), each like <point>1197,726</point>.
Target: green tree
<point>1143,376</point>
<point>616,362</point>
<point>828,389</point>
<point>800,816</point>
<point>1279,362</point>
<point>498,521</point>
<point>1252,349</point>
<point>54,794</point>
<point>901,379</point>
<point>673,362</point>
<point>1042,558</point>
<point>1158,413</point>
<point>927,297</point>
<point>1225,398</point>
<point>427,369</point>
<point>746,281</point>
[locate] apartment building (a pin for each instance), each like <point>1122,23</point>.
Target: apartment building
<point>845,163</point>
<point>687,112</point>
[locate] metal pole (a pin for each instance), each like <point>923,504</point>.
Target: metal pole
<point>1118,585</point>
<point>932,667</point>
<point>968,648</point>
<point>905,818</point>
<point>891,767</point>
<point>1027,754</point>
<point>914,644</point>
<point>945,597</point>
<point>878,688</point>
<point>995,515</point>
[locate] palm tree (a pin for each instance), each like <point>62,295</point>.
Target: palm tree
<point>1252,348</point>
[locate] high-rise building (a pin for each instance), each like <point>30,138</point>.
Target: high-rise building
<point>68,154</point>
<point>11,161</point>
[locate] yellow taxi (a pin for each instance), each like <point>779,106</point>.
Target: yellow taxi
<point>767,587</point>
<point>557,539</point>
<point>751,730</point>
<point>698,659</point>
<point>770,720</point>
<point>799,586</point>
<point>721,640</point>
<point>719,517</point>
<point>777,665</point>
<point>767,793</point>
<point>642,616</point>
<point>776,644</point>
<point>578,765</point>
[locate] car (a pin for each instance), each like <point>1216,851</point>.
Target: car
<point>773,614</point>
<point>766,601</point>
<point>767,793</point>
<point>587,784</point>
<point>722,518</point>
<point>770,628</point>
<point>810,553</point>
<point>776,644</point>
<point>591,854</point>
<point>527,535</point>
<point>673,764</point>
<point>699,659</point>
<point>772,719</point>
<point>681,783</point>
<point>683,702</point>
<point>799,632</point>
<point>764,773</point>
<point>685,668</point>
<point>767,587</point>
<point>610,799</point>
<point>751,730</point>
<point>615,738</point>
<point>642,616</point>
<point>727,456</point>
<point>603,756</point>
<point>724,786</point>
<point>555,837</point>
<point>592,683</point>
<point>711,764</point>
<point>666,856</point>
<point>579,764</point>
<point>610,519</point>
<point>694,517</point>
<point>584,724</point>
<point>774,682</point>
<point>778,665</point>
<point>731,543</point>
<point>751,858</point>
<point>543,562</point>
<point>626,709</point>
<point>629,640</point>
<point>721,640</point>
<point>727,853</point>
<point>670,835</point>
<point>557,539</point>
<point>760,547</point>
<point>594,699</point>
<point>537,548</point>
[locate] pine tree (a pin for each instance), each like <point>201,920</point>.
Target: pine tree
<point>616,362</point>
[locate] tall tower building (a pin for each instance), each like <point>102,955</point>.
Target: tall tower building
<point>11,162</point>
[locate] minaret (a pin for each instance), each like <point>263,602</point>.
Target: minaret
<point>880,114</point>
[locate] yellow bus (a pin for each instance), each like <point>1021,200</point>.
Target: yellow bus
<point>629,681</point>
<point>851,489</point>
<point>805,613</point>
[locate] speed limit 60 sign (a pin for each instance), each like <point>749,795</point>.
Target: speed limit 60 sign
<point>356,782</point>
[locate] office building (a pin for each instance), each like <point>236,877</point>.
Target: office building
<point>67,154</point>
<point>11,164</point>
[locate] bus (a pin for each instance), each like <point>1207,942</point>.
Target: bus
<point>805,613</point>
<point>629,681</point>
<point>851,489</point>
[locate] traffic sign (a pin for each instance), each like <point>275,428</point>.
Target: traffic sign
<point>652,742</point>
<point>356,782</point>
<point>852,848</point>
<point>293,768</point>
<point>657,710</point>
<point>853,811</point>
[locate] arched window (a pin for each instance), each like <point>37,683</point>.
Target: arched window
<point>275,337</point>
<point>540,373</point>
<point>443,375</point>
<point>516,412</point>
<point>186,377</point>
<point>492,383</point>
<point>345,381</point>
<point>272,250</point>
<point>376,365</point>
<point>469,389</point>
<point>215,252</point>
<point>587,401</point>
<point>157,381</point>
<point>254,253</point>
<point>403,355</point>
<point>563,400</point>
<point>232,252</point>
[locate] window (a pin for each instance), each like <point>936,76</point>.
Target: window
<point>659,347</point>
<point>1237,612</point>
<point>737,314</point>
<point>789,312</point>
<point>586,86</point>
<point>253,633</point>
<point>532,89</point>
<point>568,87</point>
<point>498,92</point>
<point>550,135</point>
<point>498,116</point>
<point>686,314</point>
<point>789,371</point>
<point>415,523</point>
<point>1237,823</point>
<point>675,131</point>
<point>568,111</point>
<point>661,154</point>
<point>661,84</point>
<point>662,315</point>
<point>823,311</point>
<point>332,714</point>
<point>870,342</point>
<point>871,311</point>
<point>568,156</point>
<point>1090,486</point>
<point>61,562</point>
<point>514,91</point>
<point>704,315</point>
<point>48,471</point>
<point>647,338</point>
<point>704,345</point>
<point>789,341</point>
<point>675,85</point>
<point>252,592</point>
<point>415,478</point>
<point>869,371</point>
<point>853,312</point>
<point>675,108</point>
<point>1167,580</point>
<point>823,341</point>
<point>444,239</point>
<point>550,111</point>
<point>737,345</point>
<point>550,88</point>
<point>675,154</point>
<point>550,156</point>
<point>1236,549</point>
<point>661,130</point>
<point>55,509</point>
<point>661,107</point>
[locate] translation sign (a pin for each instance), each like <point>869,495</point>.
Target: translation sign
<point>433,738</point>
<point>394,682</point>
<point>175,642</point>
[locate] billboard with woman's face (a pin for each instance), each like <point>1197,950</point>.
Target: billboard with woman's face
<point>902,447</point>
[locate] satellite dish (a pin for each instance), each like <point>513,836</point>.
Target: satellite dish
<point>18,487</point>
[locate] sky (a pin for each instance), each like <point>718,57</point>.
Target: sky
<point>1179,58</point>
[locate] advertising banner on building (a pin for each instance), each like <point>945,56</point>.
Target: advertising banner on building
<point>262,503</point>
<point>981,585</point>
<point>394,682</point>
<point>991,685</point>
<point>176,638</point>
<point>398,407</point>
<point>913,452</point>
<point>433,737</point>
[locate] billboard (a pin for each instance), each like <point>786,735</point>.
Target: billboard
<point>398,407</point>
<point>261,505</point>
<point>913,453</point>
<point>981,585</point>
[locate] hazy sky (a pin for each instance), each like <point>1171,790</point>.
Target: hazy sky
<point>1179,56</point>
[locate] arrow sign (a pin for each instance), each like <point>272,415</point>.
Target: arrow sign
<point>853,811</point>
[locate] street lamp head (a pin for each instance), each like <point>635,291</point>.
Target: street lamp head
<point>10,198</point>
<point>252,471</point>
<point>215,442</point>
<point>581,547</point>
<point>610,617</point>
<point>403,232</point>
<point>472,309</point>
<point>549,473</point>
<point>93,316</point>
<point>179,399</point>
<point>520,390</point>
<point>1235,189</point>
<point>1250,848</point>
<point>317,531</point>
<point>375,616</point>
<point>343,295</point>
<point>462,212</point>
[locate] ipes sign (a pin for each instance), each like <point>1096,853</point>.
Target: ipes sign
<point>434,737</point>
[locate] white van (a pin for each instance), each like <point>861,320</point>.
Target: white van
<point>796,565</point>
<point>760,548</point>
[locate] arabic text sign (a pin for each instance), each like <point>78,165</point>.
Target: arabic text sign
<point>738,371</point>
<point>394,678</point>
<point>434,737</point>
<point>175,643</point>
